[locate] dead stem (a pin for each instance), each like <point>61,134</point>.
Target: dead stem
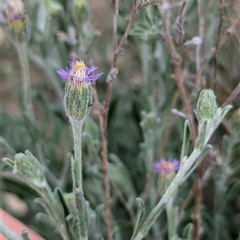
<point>177,69</point>
<point>212,52</point>
<point>217,44</point>
<point>125,204</point>
<point>201,21</point>
<point>201,168</point>
<point>181,23</point>
<point>169,126</point>
<point>232,96</point>
<point>103,114</point>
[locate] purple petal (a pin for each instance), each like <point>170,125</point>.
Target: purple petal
<point>64,74</point>
<point>93,78</point>
<point>90,70</point>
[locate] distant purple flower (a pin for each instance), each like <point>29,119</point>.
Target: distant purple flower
<point>165,167</point>
<point>78,73</point>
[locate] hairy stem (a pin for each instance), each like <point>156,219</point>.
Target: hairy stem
<point>26,88</point>
<point>7,232</point>
<point>77,160</point>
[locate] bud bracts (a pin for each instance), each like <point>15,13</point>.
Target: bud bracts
<point>78,90</point>
<point>206,105</point>
<point>16,21</point>
<point>78,100</point>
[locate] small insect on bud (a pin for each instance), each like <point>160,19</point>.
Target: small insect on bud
<point>17,23</point>
<point>206,105</point>
<point>78,90</point>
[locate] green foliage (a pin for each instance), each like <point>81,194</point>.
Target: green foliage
<point>145,121</point>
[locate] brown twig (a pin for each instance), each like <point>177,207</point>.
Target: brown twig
<point>177,69</point>
<point>212,52</point>
<point>201,20</point>
<point>180,23</point>
<point>232,96</point>
<point>201,168</point>
<point>144,3</point>
<point>169,127</point>
<point>103,126</point>
<point>125,204</point>
<point>217,45</point>
<point>104,109</point>
<point>198,201</point>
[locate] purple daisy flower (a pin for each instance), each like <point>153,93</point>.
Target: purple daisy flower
<point>13,10</point>
<point>165,167</point>
<point>79,72</point>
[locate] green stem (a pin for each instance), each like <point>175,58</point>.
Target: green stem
<point>27,91</point>
<point>167,195</point>
<point>7,232</point>
<point>172,220</point>
<point>56,213</point>
<point>41,63</point>
<point>80,202</point>
<point>25,235</point>
<point>83,216</point>
<point>77,160</point>
<point>221,179</point>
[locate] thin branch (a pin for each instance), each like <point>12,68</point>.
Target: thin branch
<point>179,113</point>
<point>164,141</point>
<point>177,69</point>
<point>212,52</point>
<point>201,169</point>
<point>201,20</point>
<point>234,30</point>
<point>144,3</point>
<point>103,115</point>
<point>217,45</point>
<point>198,201</point>
<point>232,96</point>
<point>167,132</point>
<point>125,203</point>
<point>180,23</point>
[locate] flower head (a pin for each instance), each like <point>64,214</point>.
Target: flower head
<point>14,10</point>
<point>14,16</point>
<point>78,90</point>
<point>165,167</point>
<point>206,106</point>
<point>79,73</point>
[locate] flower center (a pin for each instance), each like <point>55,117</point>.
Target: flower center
<point>78,72</point>
<point>167,168</point>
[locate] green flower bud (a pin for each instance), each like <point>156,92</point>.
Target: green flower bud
<point>81,12</point>
<point>30,170</point>
<point>156,2</point>
<point>54,8</point>
<point>78,100</point>
<point>16,21</point>
<point>78,90</point>
<point>206,105</point>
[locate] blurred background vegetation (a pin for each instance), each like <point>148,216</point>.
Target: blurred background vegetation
<point>141,125</point>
